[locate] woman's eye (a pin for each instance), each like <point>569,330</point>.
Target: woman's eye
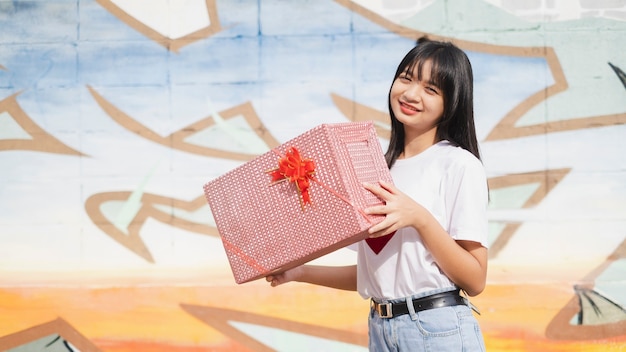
<point>405,78</point>
<point>432,90</point>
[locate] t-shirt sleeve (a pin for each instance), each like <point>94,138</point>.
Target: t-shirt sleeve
<point>467,201</point>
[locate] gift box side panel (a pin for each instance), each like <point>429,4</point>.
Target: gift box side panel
<point>233,200</point>
<point>233,196</point>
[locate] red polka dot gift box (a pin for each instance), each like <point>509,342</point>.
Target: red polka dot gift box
<point>298,201</point>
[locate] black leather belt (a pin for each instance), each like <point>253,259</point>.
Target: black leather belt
<point>438,300</point>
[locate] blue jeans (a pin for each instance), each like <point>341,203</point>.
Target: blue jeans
<point>443,329</point>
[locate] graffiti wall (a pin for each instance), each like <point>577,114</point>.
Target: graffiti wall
<point>115,113</point>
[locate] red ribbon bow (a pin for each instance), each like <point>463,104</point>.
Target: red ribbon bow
<point>293,168</point>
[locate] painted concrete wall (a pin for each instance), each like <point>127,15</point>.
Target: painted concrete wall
<point>113,114</point>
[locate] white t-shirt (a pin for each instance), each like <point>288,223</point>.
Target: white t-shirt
<point>451,183</point>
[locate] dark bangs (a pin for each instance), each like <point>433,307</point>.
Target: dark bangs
<point>414,62</point>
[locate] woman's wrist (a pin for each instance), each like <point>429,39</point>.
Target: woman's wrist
<point>422,219</point>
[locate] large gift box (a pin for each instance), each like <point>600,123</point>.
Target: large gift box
<point>299,201</point>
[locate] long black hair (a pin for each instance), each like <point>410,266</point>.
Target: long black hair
<point>451,71</point>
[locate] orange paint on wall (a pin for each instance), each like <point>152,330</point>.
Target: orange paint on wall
<point>121,319</point>
<point>521,306</point>
<point>123,316</point>
<point>134,346</point>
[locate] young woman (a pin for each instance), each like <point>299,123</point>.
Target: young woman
<point>433,240</point>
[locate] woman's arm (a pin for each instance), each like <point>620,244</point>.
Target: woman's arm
<point>464,262</point>
<point>339,277</point>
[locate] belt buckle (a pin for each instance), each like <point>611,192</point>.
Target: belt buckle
<point>386,307</point>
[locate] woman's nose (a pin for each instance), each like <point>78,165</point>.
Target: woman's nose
<point>413,92</point>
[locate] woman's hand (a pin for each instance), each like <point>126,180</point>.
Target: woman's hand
<point>399,209</point>
<point>284,277</point>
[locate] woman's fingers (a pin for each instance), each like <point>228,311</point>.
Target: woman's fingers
<point>379,190</point>
<point>388,186</point>
<point>379,231</point>
<point>376,210</point>
<point>285,276</point>
<point>390,196</point>
<point>383,190</point>
<point>274,280</point>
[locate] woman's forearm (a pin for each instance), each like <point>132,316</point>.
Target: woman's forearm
<point>339,277</point>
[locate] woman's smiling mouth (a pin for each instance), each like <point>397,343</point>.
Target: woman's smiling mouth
<point>407,109</point>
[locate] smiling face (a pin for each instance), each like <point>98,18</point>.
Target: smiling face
<point>417,102</point>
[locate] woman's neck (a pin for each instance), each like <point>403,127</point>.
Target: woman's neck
<point>415,144</point>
